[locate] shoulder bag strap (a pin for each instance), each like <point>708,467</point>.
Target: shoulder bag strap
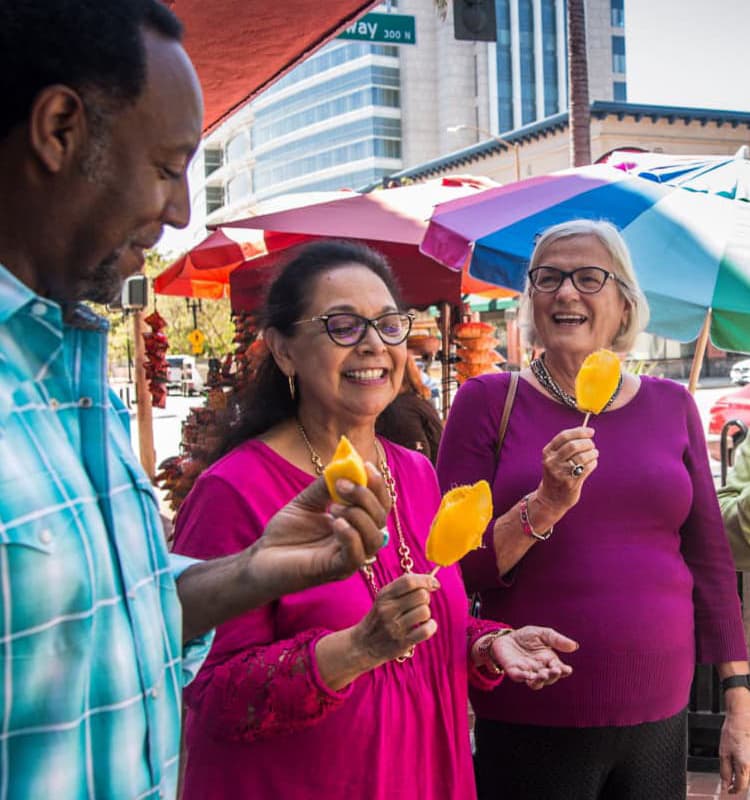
<point>507,408</point>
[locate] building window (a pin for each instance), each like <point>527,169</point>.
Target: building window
<point>620,91</point>
<point>504,66</point>
<point>549,58</point>
<point>212,160</point>
<point>617,12</point>
<point>528,67</point>
<point>618,54</point>
<point>214,198</point>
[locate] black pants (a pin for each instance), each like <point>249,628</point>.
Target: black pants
<point>637,762</point>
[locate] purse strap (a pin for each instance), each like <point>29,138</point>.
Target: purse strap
<point>507,408</point>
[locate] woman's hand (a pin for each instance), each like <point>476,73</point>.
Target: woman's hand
<point>529,655</point>
<point>734,745</point>
<point>560,488</point>
<point>398,620</point>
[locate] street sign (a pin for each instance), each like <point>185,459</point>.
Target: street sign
<point>383,28</point>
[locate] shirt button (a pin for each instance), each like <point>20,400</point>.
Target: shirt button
<point>38,309</point>
<point>85,402</point>
<point>54,404</point>
<point>45,536</point>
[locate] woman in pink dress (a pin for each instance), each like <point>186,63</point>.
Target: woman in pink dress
<point>356,689</point>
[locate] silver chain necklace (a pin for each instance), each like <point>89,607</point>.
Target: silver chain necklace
<point>541,373</point>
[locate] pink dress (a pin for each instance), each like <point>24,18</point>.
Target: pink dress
<point>261,724</point>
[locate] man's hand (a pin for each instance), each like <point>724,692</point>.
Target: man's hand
<point>307,543</point>
<point>734,749</point>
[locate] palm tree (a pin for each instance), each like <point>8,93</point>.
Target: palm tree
<point>579,111</point>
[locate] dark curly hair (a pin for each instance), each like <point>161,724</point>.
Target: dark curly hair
<point>93,46</point>
<point>266,401</point>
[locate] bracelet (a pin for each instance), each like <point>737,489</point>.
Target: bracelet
<point>526,522</point>
<point>733,681</point>
<point>484,649</point>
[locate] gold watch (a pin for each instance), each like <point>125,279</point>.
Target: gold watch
<point>484,649</point>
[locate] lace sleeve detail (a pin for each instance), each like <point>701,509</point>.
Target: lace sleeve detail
<point>479,677</point>
<point>264,691</point>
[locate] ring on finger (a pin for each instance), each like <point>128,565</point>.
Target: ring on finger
<point>370,561</point>
<point>576,470</point>
<point>386,535</point>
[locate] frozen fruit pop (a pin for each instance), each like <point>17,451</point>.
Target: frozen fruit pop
<point>346,463</point>
<point>597,381</point>
<point>460,521</point>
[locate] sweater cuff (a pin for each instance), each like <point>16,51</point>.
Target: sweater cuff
<point>317,679</point>
<point>480,677</point>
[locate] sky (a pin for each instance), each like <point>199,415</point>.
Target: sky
<point>688,53</point>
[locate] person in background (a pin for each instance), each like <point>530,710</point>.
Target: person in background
<point>411,420</point>
<point>734,501</point>
<point>99,625</point>
<point>355,690</point>
<point>610,532</point>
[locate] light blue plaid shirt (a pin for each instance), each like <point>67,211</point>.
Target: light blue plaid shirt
<point>90,622</point>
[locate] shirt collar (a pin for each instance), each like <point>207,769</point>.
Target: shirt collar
<point>14,295</point>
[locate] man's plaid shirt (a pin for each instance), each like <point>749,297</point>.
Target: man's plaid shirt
<point>90,623</point>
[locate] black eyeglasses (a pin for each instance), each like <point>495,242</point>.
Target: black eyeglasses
<point>346,329</point>
<point>587,280</point>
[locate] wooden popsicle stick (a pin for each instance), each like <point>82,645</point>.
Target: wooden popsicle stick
<point>586,418</point>
<point>434,571</point>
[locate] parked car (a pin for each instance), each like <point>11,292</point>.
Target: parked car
<point>183,375</point>
<point>735,405</point>
<point>739,374</point>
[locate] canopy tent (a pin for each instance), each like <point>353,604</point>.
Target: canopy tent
<point>240,47</point>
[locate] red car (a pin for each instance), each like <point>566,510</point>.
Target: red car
<point>735,405</point>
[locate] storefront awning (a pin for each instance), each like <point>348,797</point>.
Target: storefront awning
<point>240,47</point>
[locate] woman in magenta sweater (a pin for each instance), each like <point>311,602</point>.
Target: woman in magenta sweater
<point>610,532</point>
<point>355,690</point>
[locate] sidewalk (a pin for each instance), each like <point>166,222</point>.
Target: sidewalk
<point>705,786</point>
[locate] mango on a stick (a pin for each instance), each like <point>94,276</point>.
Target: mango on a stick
<point>346,463</point>
<point>460,521</point>
<point>597,381</point>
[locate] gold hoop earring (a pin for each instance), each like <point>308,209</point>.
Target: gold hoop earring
<point>292,388</point>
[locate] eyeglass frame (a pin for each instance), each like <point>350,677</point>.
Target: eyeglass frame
<point>370,322</point>
<point>570,274</point>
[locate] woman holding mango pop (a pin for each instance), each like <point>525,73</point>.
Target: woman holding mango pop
<point>606,526</point>
<point>357,689</point>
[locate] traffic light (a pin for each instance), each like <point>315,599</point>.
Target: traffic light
<point>474,20</point>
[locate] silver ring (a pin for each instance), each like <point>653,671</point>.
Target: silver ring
<point>576,470</point>
<point>386,535</point>
<point>371,560</point>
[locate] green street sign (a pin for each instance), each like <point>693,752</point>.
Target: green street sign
<point>383,28</point>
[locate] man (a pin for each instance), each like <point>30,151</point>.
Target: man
<point>734,499</point>
<point>101,114</point>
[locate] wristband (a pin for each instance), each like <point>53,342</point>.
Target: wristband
<point>735,680</point>
<point>526,522</point>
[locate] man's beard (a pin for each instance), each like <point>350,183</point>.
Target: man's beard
<point>103,285</point>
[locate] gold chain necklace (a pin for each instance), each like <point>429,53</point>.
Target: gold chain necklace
<point>404,553</point>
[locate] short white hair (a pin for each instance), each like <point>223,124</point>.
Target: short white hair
<point>622,266</point>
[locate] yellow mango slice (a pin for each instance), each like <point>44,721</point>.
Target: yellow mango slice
<point>597,380</point>
<point>346,463</point>
<point>460,521</point>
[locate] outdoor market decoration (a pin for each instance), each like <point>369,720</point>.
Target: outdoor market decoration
<point>476,344</point>
<point>156,366</point>
<point>459,524</point>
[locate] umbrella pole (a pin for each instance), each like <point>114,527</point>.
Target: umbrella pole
<point>700,351</point>
<point>445,335</point>
<point>144,413</point>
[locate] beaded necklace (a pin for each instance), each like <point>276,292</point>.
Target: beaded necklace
<point>541,373</point>
<point>404,553</point>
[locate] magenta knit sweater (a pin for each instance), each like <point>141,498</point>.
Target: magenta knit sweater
<point>639,571</point>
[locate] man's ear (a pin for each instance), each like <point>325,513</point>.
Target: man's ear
<point>278,344</point>
<point>57,126</point>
